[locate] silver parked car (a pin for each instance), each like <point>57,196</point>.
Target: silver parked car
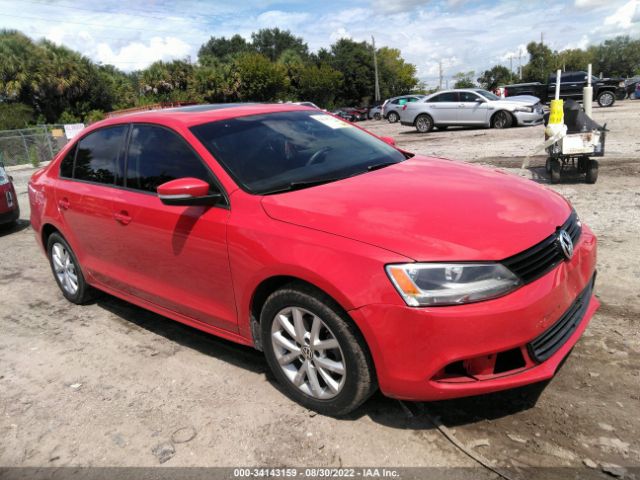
<point>391,108</point>
<point>471,107</point>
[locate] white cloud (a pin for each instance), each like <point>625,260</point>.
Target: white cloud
<point>591,3</point>
<point>137,55</point>
<point>275,18</point>
<point>625,16</point>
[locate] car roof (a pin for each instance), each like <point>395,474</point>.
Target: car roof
<point>199,114</point>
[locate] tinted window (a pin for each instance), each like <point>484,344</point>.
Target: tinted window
<point>402,101</point>
<point>413,99</point>
<point>66,166</point>
<point>283,150</point>
<point>445,97</point>
<point>395,102</point>
<point>98,152</point>
<point>157,155</point>
<point>468,97</point>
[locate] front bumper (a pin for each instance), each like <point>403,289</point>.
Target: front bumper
<point>437,353</point>
<point>524,118</point>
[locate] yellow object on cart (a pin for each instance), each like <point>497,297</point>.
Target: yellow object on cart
<point>556,116</point>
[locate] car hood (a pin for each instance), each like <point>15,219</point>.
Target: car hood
<point>429,209</point>
<point>519,100</point>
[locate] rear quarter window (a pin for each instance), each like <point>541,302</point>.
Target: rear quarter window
<point>98,154</point>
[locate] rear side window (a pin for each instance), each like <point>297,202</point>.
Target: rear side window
<point>444,97</point>
<point>468,97</point>
<point>98,154</point>
<point>157,155</point>
<point>66,166</point>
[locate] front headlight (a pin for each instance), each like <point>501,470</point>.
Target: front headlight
<point>4,177</point>
<point>424,284</point>
<point>524,109</point>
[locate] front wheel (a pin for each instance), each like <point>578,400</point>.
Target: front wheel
<point>501,120</point>
<point>606,99</point>
<point>317,355</point>
<point>376,116</point>
<point>393,117</point>
<point>66,270</point>
<point>555,170</point>
<point>424,123</point>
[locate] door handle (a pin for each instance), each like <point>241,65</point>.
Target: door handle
<point>122,217</point>
<point>63,203</point>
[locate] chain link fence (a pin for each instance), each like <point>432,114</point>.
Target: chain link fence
<point>31,145</point>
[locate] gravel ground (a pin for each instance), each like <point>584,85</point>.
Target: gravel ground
<point>110,384</point>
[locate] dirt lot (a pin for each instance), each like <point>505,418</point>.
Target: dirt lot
<point>109,384</point>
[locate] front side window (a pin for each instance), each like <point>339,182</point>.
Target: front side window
<point>468,97</point>
<point>157,155</point>
<point>287,150</point>
<point>98,154</point>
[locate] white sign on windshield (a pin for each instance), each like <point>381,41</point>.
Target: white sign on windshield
<point>330,121</point>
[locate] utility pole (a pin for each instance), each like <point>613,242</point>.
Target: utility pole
<point>511,63</point>
<point>520,63</point>
<point>440,83</point>
<point>375,68</point>
<point>541,38</point>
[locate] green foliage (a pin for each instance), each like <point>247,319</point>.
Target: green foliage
<point>94,116</point>
<point>397,77</point>
<point>464,80</point>
<point>15,115</point>
<point>273,42</point>
<point>319,84</point>
<point>495,77</point>
<point>619,56</point>
<point>354,60</point>
<point>253,77</point>
<point>222,49</point>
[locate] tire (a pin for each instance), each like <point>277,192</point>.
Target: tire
<point>424,123</point>
<point>547,165</point>
<point>501,119</point>
<point>348,353</point>
<point>606,99</point>
<point>376,116</point>
<point>592,171</point>
<point>555,171</point>
<point>393,117</point>
<point>65,266</point>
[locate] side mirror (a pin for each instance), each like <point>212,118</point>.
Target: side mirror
<point>186,192</point>
<point>480,100</point>
<point>389,140</point>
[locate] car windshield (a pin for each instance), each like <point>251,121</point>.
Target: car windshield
<point>488,95</point>
<point>282,151</point>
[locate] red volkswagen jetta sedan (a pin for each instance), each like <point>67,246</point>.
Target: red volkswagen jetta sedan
<point>351,263</point>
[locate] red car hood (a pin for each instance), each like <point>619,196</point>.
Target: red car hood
<point>429,209</point>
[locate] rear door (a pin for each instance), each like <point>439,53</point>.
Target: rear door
<point>172,256</point>
<point>84,195</point>
<point>443,108</point>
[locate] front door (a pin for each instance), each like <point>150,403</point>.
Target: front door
<point>473,109</point>
<point>173,256</point>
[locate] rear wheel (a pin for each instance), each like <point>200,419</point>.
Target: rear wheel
<point>501,119</point>
<point>376,116</point>
<point>606,99</point>
<point>424,123</point>
<point>555,170</point>
<point>66,270</point>
<point>393,117</point>
<point>592,171</point>
<point>315,352</point>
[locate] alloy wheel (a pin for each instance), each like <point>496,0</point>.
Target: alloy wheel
<point>308,353</point>
<point>64,268</point>
<point>606,99</point>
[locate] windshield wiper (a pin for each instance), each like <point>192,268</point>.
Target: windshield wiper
<point>378,166</point>
<point>300,185</point>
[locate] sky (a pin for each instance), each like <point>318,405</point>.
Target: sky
<point>462,34</point>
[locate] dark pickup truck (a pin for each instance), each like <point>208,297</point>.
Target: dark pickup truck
<point>605,90</point>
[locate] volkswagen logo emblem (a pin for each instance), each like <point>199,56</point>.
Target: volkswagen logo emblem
<point>306,351</point>
<point>566,244</point>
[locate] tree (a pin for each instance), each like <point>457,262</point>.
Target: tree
<point>319,84</point>
<point>495,76</point>
<point>15,115</point>
<point>396,76</point>
<point>619,56</point>
<point>464,80</point>
<point>354,60</point>
<point>253,77</point>
<point>273,42</point>
<point>222,49</point>
<point>573,59</point>
<point>542,62</point>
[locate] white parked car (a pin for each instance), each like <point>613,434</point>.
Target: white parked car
<point>470,107</point>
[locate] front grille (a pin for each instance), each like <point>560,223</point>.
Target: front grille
<point>552,339</point>
<point>544,256</point>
